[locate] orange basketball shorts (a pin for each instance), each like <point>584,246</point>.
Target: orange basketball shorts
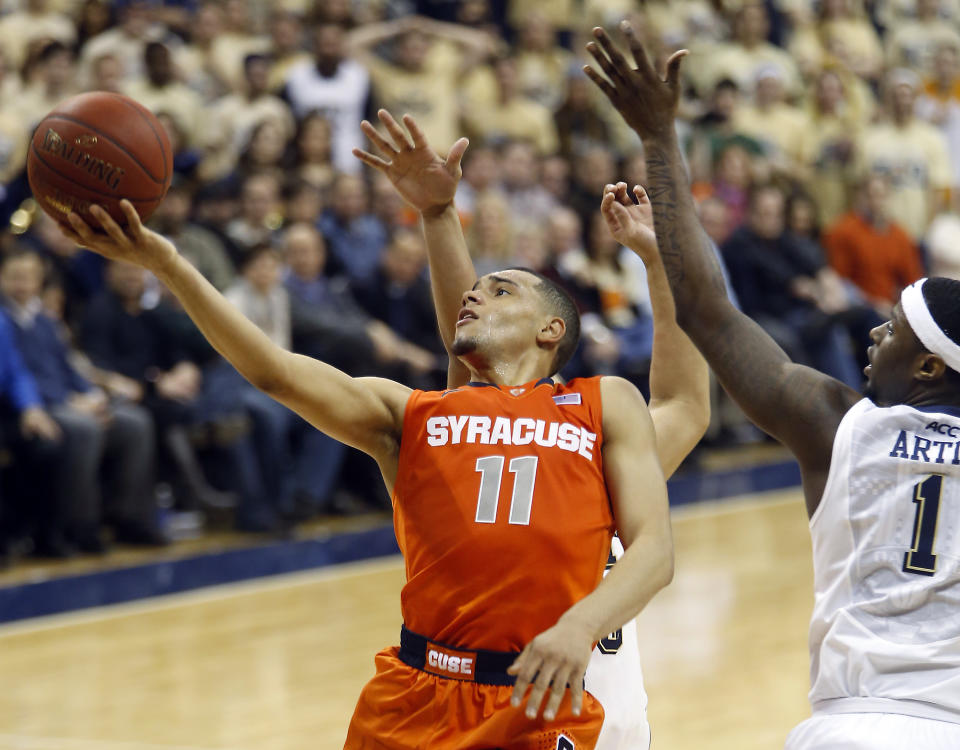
<point>403,708</point>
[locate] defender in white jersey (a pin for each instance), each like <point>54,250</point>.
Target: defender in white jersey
<point>880,475</point>
<point>679,404</point>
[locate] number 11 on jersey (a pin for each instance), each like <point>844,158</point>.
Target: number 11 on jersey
<point>524,469</point>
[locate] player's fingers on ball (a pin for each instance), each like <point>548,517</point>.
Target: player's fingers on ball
<point>400,137</point>
<point>133,218</point>
<point>81,227</point>
<point>111,227</point>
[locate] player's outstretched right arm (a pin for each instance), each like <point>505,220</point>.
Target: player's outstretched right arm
<point>366,413</point>
<point>799,406</point>
<point>428,183</point>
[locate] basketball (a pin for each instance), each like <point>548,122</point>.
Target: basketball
<point>99,148</point>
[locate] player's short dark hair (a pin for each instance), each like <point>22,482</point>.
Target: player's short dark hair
<point>942,296</point>
<point>559,302</point>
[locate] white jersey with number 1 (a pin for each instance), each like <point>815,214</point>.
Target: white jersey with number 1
<point>885,630</point>
<point>615,679</point>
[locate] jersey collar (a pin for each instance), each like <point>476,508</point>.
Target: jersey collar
<point>527,387</point>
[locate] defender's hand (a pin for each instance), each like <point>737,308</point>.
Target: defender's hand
<point>631,224</point>
<point>137,244</point>
<point>553,660</point>
<point>647,102</point>
<point>423,179</point>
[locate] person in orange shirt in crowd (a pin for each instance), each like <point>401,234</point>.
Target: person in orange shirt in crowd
<point>871,250</point>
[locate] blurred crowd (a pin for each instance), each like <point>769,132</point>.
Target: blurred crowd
<point>822,137</point>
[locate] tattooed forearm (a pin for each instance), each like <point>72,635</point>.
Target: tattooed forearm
<point>691,265</point>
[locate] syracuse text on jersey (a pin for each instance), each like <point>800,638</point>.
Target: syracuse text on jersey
<point>929,450</point>
<point>454,430</point>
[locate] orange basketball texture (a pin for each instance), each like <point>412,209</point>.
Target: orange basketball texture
<point>99,148</point>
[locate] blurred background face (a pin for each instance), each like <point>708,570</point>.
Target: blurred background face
<point>58,70</point>
<point>174,210</point>
<point>530,247</point>
<point>733,168</point>
<point>877,194</point>
<point>207,24</point>
<point>945,63</point>
<point>903,97</point>
<point>767,214</point>
<point>715,219</point>
<point>107,74</point>
<point>329,46</point>
<point>263,272</point>
<point>306,253</point>
<point>634,169</point>
<point>769,90</point>
<point>126,280</point>
<point>259,198</point>
<point>267,144</point>
<point>405,258</point>
<point>596,168</point>
<point>349,197</point>
<point>257,72</point>
<point>829,92</point>
<point>285,33</point>
<point>725,100</point>
<point>518,166</point>
<point>21,278</point>
<point>753,24</point>
<point>536,34</point>
<point>314,139</point>
<point>803,217</point>
<point>304,204</point>
<point>411,50</point>
<point>555,177</point>
<point>505,71</point>
<point>158,64</point>
<point>480,168</point>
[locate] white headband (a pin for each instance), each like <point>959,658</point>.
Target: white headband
<point>921,321</point>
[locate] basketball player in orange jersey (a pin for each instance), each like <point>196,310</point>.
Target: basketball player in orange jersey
<point>679,385</point>
<point>506,493</point>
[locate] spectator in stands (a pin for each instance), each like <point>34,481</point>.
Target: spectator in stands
<point>93,18</point>
<point>312,153</point>
<point>235,41</point>
<point>592,169</point>
<point>769,120</point>
<point>234,117</point>
<point>843,23</point>
<point>196,60</point>
<point>579,125</point>
<point>303,202</point>
<point>542,64</point>
<point>259,213</point>
<point>742,58</point>
<point>871,250</point>
<point>31,22</point>
<point>829,145</point>
<point>398,295</point>
<point>35,440</point>
<point>121,335</point>
<point>519,180</point>
<point>126,41</point>
<point>97,434</point>
<point>334,85</point>
<point>712,130</point>
<point>480,175</point>
<point>106,74</point>
<point>912,152</point>
<point>511,115</point>
<point>264,152</point>
<point>912,43</point>
<point>159,91</point>
<point>784,285</point>
<point>199,245</point>
<point>286,47</point>
<point>55,81</point>
<point>356,238</point>
<point>939,103</point>
<point>421,74</point>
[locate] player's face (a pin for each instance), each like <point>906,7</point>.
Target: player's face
<point>500,317</point>
<point>892,357</point>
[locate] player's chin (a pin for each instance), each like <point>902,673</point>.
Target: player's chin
<point>464,345</point>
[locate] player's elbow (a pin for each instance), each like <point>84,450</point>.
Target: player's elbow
<point>272,376</point>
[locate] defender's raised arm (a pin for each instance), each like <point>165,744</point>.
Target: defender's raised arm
<point>799,406</point>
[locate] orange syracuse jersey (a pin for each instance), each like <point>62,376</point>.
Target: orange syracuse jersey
<point>500,509</point>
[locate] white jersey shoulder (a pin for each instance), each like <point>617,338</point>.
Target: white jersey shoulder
<point>886,553</point>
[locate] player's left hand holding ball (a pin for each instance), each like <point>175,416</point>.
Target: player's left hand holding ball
<point>556,658</point>
<point>137,244</point>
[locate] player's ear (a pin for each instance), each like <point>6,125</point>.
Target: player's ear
<point>552,331</point>
<point>929,367</point>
